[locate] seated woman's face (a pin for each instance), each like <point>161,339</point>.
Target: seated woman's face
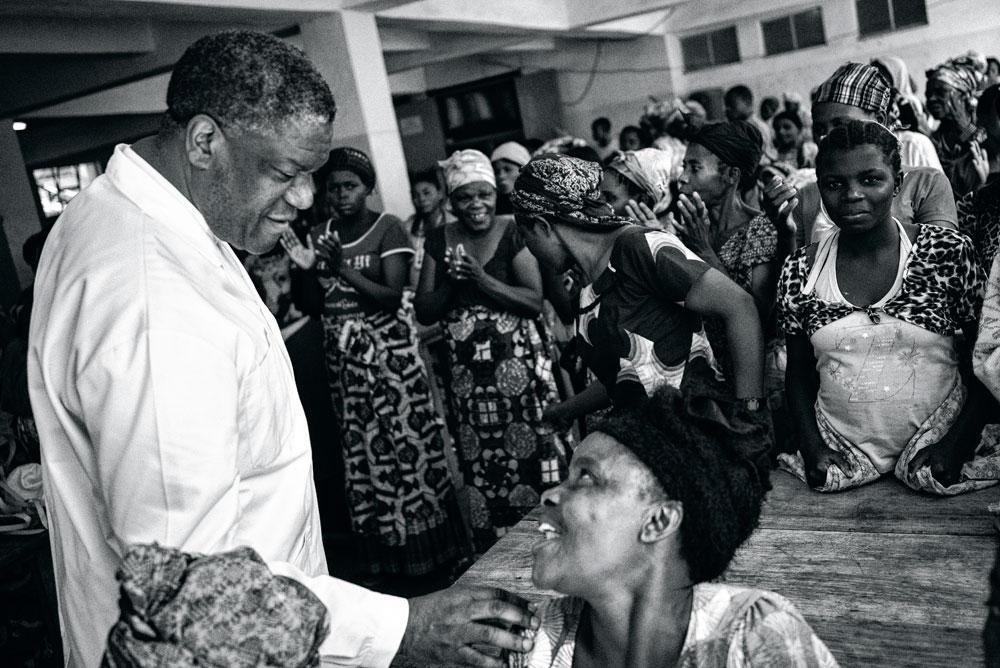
<point>345,193</point>
<point>473,204</point>
<point>591,523</point>
<point>703,174</point>
<point>857,187</point>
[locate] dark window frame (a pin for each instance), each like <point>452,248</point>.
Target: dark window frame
<point>893,26</point>
<point>793,29</point>
<point>709,37</point>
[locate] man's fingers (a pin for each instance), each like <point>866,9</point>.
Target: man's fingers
<point>482,634</point>
<point>470,656</point>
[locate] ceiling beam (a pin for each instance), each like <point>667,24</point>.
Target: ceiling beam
<point>373,5</point>
<point>593,13</point>
<point>22,34</point>
<point>449,48</point>
<point>401,39</point>
<point>538,44</point>
<point>495,16</point>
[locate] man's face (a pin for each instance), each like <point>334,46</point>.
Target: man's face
<point>258,182</point>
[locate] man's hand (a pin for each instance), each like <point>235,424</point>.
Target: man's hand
<point>446,627</point>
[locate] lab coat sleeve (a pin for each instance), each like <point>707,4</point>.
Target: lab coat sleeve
<point>161,409</point>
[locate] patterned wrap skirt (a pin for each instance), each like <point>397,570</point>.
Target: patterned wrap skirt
<point>501,381</point>
<point>400,495</point>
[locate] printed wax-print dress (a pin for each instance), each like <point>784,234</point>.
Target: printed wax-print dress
<point>501,381</point>
<point>979,219</point>
<point>889,381</point>
<point>400,496</point>
<point>752,245</point>
<point>730,626</point>
<point>633,331</point>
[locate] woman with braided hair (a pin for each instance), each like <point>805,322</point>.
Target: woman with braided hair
<point>877,380</point>
<point>657,501</point>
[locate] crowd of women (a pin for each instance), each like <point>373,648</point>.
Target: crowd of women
<point>825,280</point>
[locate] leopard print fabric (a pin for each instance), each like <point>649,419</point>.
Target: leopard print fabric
<point>942,288</point>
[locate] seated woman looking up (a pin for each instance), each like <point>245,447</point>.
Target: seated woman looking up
<point>656,504</point>
<point>877,380</point>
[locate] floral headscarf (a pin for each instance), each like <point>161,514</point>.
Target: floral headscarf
<point>567,189</point>
<point>467,166</point>
<point>650,169</point>
<point>965,74</point>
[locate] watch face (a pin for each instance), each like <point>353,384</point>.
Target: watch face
<point>752,404</point>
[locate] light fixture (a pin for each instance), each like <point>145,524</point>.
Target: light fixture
<point>20,126</point>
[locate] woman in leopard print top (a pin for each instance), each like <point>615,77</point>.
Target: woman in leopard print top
<point>877,378</point>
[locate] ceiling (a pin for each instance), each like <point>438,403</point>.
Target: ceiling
<point>55,51</point>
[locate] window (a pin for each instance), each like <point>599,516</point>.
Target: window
<point>58,185</point>
<point>798,31</point>
<point>708,49</point>
<point>875,16</point>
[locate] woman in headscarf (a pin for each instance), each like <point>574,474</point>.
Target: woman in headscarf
<point>952,89</point>
<point>878,382</point>
<point>635,179</point>
<point>401,500</point>
<point>639,324</point>
<point>485,288</point>
<point>731,235</point>
<point>507,159</point>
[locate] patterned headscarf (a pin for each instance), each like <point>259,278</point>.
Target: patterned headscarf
<point>347,159</point>
<point>650,169</point>
<point>966,74</point>
<point>567,189</point>
<point>857,85</point>
<point>467,166</point>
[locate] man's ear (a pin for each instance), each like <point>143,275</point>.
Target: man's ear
<point>202,141</point>
<point>662,520</point>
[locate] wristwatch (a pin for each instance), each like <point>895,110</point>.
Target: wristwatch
<point>752,403</point>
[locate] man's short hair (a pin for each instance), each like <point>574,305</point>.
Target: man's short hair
<point>247,80</point>
<point>739,92</point>
<point>601,122</point>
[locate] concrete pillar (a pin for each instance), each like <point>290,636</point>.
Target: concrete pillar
<point>20,217</point>
<point>347,49</point>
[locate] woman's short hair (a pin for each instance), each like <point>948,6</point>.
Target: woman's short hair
<point>856,133</point>
<point>710,469</point>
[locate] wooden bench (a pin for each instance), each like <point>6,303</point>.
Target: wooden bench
<point>885,575</point>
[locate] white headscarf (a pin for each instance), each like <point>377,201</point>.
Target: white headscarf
<point>467,166</point>
<point>650,169</point>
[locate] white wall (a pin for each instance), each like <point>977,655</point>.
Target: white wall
<point>954,27</point>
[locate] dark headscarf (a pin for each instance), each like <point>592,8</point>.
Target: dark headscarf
<point>735,143</point>
<point>347,159</point>
<point>566,188</point>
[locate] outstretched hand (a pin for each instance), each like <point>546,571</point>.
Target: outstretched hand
<point>304,256</point>
<point>455,626</point>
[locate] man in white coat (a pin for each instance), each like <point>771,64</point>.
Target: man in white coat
<point>165,401</point>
